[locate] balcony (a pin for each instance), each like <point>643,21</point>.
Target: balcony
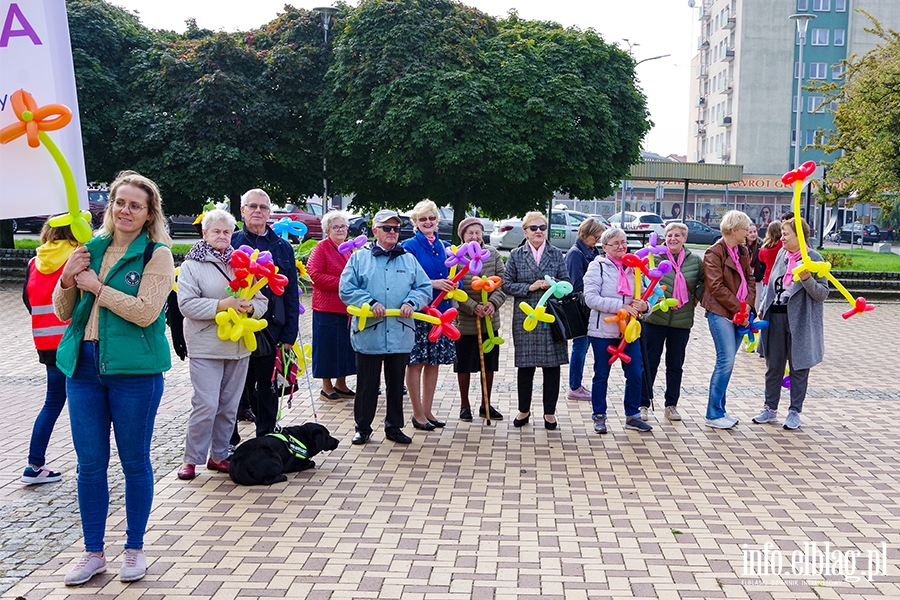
<point>724,152</point>
<point>728,86</point>
<point>729,54</point>
<point>702,71</point>
<point>730,23</point>
<point>702,43</point>
<point>701,100</point>
<point>701,132</point>
<point>725,121</point>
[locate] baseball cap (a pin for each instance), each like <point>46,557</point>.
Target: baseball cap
<point>383,216</point>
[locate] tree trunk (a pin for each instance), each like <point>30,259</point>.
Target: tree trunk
<point>6,234</point>
<point>460,204</point>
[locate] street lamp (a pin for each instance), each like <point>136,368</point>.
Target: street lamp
<point>326,12</point>
<point>652,58</point>
<point>802,21</point>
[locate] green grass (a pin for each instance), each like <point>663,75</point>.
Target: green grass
<point>866,260</point>
<point>181,248</point>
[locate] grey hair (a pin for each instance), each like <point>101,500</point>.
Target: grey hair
<point>216,215</point>
<point>610,234</point>
<point>331,216</point>
<point>679,226</point>
<point>255,192</point>
<point>734,220</point>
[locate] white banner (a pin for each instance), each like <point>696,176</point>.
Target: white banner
<point>36,56</point>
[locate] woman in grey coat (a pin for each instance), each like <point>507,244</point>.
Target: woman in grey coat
<point>524,280</point>
<point>795,334</point>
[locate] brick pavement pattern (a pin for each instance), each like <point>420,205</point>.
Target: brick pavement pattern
<point>482,512</point>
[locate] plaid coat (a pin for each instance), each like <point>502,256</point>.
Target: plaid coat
<point>534,348</point>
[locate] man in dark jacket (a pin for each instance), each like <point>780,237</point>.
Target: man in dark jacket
<point>283,312</point>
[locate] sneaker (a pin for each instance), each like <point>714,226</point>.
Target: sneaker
<point>88,565</point>
<point>231,449</point>
<point>793,420</point>
<point>41,475</point>
<point>766,416</point>
<point>734,420</point>
<point>465,414</point>
<point>599,423</point>
<point>134,566</point>
<point>637,424</point>
<point>672,413</point>
<point>580,393</point>
<point>645,413</point>
<point>495,414</point>
<point>721,423</point>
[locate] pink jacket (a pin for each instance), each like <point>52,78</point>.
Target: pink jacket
<point>325,267</point>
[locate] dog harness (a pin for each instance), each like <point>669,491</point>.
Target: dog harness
<point>295,446</point>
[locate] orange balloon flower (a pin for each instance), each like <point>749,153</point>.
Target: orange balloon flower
<point>33,119</point>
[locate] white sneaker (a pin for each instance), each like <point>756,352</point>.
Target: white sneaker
<point>581,393</point>
<point>672,413</point>
<point>87,566</point>
<point>645,413</point>
<point>721,423</point>
<point>134,566</point>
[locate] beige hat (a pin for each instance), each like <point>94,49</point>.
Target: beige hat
<point>466,223</point>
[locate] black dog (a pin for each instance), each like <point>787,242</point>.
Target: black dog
<point>265,460</point>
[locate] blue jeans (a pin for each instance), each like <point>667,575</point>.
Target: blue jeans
<point>633,374</point>
<point>576,364</point>
<point>128,403</point>
<point>727,340</point>
<point>46,419</point>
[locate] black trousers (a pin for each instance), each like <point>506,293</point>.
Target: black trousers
<point>368,380</point>
<point>675,340</point>
<point>259,392</point>
<point>525,381</point>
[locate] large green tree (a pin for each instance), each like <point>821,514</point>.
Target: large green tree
<point>867,125</point>
<point>431,98</point>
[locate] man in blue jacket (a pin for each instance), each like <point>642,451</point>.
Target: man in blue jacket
<point>283,313</point>
<point>384,276</point>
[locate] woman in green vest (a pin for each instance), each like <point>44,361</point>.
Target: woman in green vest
<point>113,355</point>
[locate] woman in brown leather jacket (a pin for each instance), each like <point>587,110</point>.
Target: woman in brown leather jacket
<point>729,281</point>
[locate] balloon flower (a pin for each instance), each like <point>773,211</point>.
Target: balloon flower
<point>465,255</point>
<point>798,178</point>
<point>287,227</point>
<point>488,285</point>
<point>753,327</point>
<point>440,320</point>
<point>252,270</point>
<point>539,314</point>
<point>235,326</point>
<point>354,244</point>
<point>786,382</point>
<point>34,122</point>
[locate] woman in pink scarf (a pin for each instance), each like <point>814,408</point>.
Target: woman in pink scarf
<point>728,279</point>
<point>672,328</point>
<point>795,335</point>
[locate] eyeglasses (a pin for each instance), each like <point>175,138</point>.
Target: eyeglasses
<point>260,207</point>
<point>425,219</point>
<point>623,244</point>
<point>537,227</point>
<point>338,227</point>
<point>133,207</point>
<point>389,228</point>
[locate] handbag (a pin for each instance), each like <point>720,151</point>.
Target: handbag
<point>265,343</point>
<point>571,316</point>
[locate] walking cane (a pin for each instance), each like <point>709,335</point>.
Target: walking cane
<point>485,399</point>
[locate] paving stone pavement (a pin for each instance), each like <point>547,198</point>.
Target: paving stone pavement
<point>473,511</point>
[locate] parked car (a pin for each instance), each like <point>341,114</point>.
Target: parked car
<point>183,224</point>
<point>699,233</point>
<point>639,220</point>
<point>870,233</point>
<point>97,202</point>
<point>312,221</point>
<point>507,234</point>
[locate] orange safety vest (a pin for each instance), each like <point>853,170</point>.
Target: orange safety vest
<point>46,327</point>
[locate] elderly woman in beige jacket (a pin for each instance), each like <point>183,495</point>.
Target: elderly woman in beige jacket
<point>218,367</point>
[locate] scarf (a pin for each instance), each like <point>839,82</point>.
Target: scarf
<point>201,249</point>
<point>680,291</point>
<point>394,252</point>
<point>793,259</point>
<point>623,286</point>
<point>735,255</point>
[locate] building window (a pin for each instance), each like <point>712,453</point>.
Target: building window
<point>818,70</point>
<point>819,37</point>
<point>840,5</point>
<point>839,37</point>
<point>793,137</point>
<point>796,102</point>
<point>812,136</point>
<point>833,105</point>
<point>802,5</point>
<point>798,71</point>
<point>837,71</point>
<point>815,103</point>
<point>821,5</point>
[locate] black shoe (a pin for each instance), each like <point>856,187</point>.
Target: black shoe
<point>423,426</point>
<point>333,396</point>
<point>520,422</point>
<point>397,435</point>
<point>549,425</point>
<point>495,414</point>
<point>437,423</point>
<point>246,414</point>
<point>465,414</point>
<point>348,393</point>
<point>360,438</point>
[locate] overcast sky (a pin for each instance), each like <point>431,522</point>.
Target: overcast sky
<point>654,28</point>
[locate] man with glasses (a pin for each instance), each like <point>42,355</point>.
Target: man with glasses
<point>385,277</point>
<point>282,314</point>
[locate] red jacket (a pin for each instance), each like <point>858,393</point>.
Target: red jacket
<point>767,255</point>
<point>46,327</point>
<point>325,267</point>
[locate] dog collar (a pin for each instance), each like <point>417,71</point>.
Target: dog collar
<point>295,446</point>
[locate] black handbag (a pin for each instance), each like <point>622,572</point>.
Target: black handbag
<point>265,343</point>
<point>571,316</point>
